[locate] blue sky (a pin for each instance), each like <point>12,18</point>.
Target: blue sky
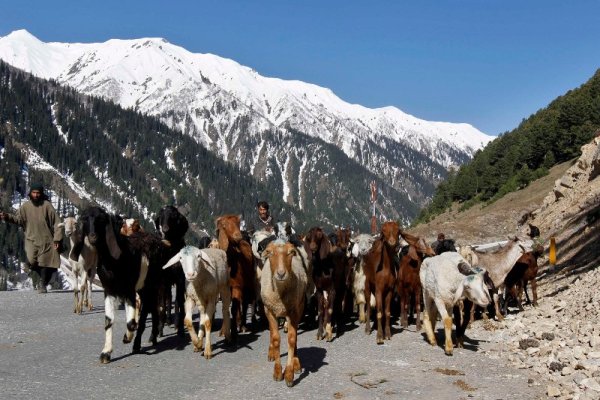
<point>488,63</point>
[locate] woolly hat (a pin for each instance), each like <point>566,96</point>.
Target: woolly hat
<point>36,186</point>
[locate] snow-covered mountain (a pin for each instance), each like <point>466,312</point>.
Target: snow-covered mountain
<point>253,120</point>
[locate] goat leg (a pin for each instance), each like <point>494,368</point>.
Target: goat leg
<point>379,302</point>
<point>109,317</point>
<point>293,363</point>
<point>388,315</point>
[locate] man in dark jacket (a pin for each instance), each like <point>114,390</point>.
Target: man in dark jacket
<point>43,235</point>
<point>263,221</point>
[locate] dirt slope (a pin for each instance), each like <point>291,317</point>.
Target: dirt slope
<point>496,221</point>
<point>558,343</point>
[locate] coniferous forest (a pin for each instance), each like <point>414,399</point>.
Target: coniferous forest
<point>552,135</point>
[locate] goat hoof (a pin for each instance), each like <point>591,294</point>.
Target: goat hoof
<point>289,376</point>
<point>297,366</point>
<point>277,372</point>
<point>136,349</point>
<point>379,341</point>
<point>104,358</point>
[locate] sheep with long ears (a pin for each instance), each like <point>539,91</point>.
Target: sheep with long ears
<point>444,284</point>
<point>206,278</point>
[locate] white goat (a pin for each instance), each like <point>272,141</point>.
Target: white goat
<point>499,263</point>
<point>359,247</point>
<point>469,254</point>
<point>283,287</point>
<point>206,274</point>
<point>443,286</point>
<point>84,268</point>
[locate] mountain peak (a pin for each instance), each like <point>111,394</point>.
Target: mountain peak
<point>22,35</point>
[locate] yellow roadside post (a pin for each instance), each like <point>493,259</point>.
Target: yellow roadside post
<point>552,256</point>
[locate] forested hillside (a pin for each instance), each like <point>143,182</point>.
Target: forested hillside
<point>91,151</point>
<point>550,136</point>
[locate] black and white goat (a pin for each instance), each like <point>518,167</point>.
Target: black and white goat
<point>126,266</point>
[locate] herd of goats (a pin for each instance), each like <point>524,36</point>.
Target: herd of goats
<point>281,276</point>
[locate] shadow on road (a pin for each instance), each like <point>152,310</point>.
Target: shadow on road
<point>440,337</point>
<point>311,359</point>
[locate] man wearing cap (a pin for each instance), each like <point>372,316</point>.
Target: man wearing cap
<point>43,236</point>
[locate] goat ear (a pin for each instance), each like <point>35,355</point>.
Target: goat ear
<point>185,225</point>
<point>76,250</point>
<point>459,294</point>
<point>174,260</point>
<point>204,257</point>
<point>306,245</point>
<point>111,241</point>
<point>292,252</point>
<point>464,268</point>
<point>223,241</point>
<point>412,253</point>
<point>266,253</point>
<point>325,248</point>
<point>60,225</point>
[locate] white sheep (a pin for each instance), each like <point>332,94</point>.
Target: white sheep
<point>84,268</point>
<point>359,247</point>
<point>283,288</point>
<point>206,275</point>
<point>443,287</point>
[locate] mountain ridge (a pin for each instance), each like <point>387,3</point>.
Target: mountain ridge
<point>227,107</point>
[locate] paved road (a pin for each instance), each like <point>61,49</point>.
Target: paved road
<point>47,352</point>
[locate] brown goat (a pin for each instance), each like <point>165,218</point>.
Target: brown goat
<point>283,287</point>
<point>525,270</point>
<point>329,273</point>
<point>380,273</point>
<point>242,274</point>
<point>409,282</point>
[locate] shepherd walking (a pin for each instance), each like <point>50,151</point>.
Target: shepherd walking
<point>43,235</point>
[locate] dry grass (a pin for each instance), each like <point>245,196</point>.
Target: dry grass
<point>450,372</point>
<point>464,386</point>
